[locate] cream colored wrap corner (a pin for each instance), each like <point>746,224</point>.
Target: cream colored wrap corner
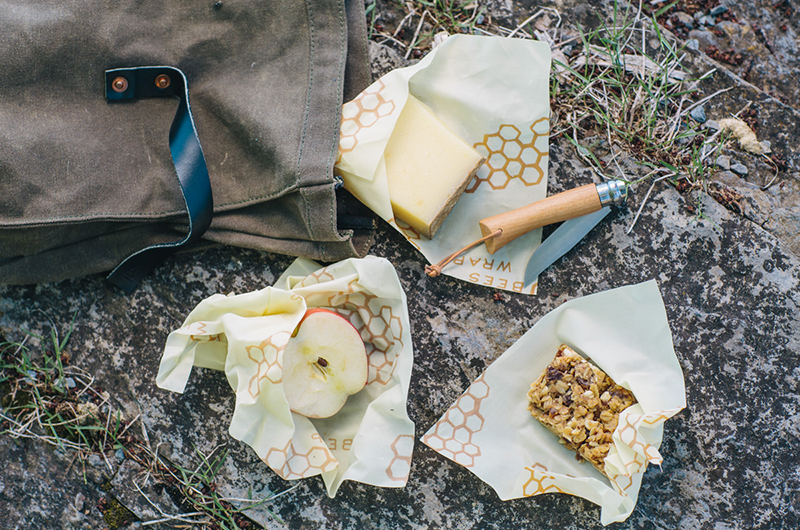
<point>490,431</point>
<point>371,439</point>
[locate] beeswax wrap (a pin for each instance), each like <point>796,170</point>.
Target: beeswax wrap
<point>493,93</point>
<point>371,438</point>
<point>490,431</point>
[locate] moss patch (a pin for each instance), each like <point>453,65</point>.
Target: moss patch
<point>115,514</point>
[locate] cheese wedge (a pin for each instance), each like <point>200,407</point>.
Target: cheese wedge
<point>428,168</point>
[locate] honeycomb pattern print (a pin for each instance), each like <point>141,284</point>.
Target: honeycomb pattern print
<point>199,333</point>
<point>319,276</point>
<point>381,329</point>
<point>511,154</point>
<point>411,235</point>
<point>622,483</point>
<point>452,435</point>
<point>290,463</point>
<point>361,114</point>
<point>265,355</point>
<point>400,466</point>
<point>629,435</point>
<point>540,481</point>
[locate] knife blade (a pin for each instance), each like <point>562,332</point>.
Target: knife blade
<point>561,241</point>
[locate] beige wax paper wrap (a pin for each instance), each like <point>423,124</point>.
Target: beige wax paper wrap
<point>493,93</point>
<point>371,438</point>
<point>490,431</point>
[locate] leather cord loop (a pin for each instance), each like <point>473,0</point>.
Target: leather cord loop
<point>187,154</point>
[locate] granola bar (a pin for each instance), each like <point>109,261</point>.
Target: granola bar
<point>580,404</point>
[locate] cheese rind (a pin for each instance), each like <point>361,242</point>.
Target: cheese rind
<point>428,167</point>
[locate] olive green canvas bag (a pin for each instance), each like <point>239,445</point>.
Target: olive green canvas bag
<point>130,130</point>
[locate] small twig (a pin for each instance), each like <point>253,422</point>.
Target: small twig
<point>523,24</point>
<point>149,466</point>
<point>108,464</point>
<point>507,32</point>
<point>105,435</point>
<point>565,42</point>
<point>284,492</point>
<point>260,501</point>
<point>184,517</point>
<point>416,33</point>
<point>123,431</point>
<point>10,420</point>
<point>647,195</point>
<point>389,38</point>
<point>746,106</point>
<point>76,419</point>
<point>72,462</point>
<point>542,11</point>
<point>673,129</point>
<point>775,176</point>
<point>105,397</point>
<point>176,477</point>
<point>481,30</point>
<point>473,15</point>
<point>204,460</point>
<point>144,432</point>
<point>86,386</point>
<point>702,101</point>
<point>402,22</point>
<point>614,156</point>
<point>632,32</point>
<point>175,518</point>
<point>705,154</point>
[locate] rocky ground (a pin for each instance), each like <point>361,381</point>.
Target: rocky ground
<point>729,275</point>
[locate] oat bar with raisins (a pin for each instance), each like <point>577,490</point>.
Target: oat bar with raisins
<point>580,404</point>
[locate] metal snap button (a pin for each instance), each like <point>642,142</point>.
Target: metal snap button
<point>163,81</point>
<point>119,84</point>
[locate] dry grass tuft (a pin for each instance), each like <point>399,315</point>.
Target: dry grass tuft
<point>619,93</point>
<point>45,398</point>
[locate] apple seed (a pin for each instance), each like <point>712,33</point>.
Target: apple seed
<point>321,365</point>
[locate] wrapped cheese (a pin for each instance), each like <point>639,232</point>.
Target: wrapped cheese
<point>428,167</point>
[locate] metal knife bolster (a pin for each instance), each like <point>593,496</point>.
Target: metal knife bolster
<point>612,193</point>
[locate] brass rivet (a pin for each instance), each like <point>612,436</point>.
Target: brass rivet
<point>163,81</point>
<point>120,84</point>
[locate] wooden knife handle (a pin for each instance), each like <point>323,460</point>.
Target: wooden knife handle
<point>554,209</point>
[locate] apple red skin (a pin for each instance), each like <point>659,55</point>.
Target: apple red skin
<point>312,310</point>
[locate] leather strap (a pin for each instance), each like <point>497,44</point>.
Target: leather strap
<point>153,82</point>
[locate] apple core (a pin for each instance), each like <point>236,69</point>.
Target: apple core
<point>324,362</point>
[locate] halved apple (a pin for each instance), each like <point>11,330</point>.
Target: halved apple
<point>324,362</point>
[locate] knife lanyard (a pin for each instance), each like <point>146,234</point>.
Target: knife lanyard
<point>501,229</point>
